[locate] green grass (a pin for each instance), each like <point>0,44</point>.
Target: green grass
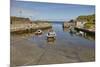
<point>89,25</point>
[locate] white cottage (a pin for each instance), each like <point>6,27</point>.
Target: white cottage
<point>80,24</point>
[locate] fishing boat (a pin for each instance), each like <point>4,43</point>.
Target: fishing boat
<point>38,32</point>
<point>81,33</point>
<point>51,36</point>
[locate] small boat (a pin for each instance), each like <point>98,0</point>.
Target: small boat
<point>51,36</point>
<point>38,32</point>
<point>81,33</point>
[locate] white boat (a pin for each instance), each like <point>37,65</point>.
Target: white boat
<point>81,33</point>
<point>51,36</point>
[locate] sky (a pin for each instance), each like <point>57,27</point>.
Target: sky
<point>49,11</point>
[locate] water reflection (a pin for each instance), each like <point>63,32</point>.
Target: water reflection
<point>51,42</point>
<point>79,33</point>
<point>66,29</point>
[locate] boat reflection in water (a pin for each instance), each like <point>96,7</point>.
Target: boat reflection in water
<point>51,41</point>
<point>65,29</point>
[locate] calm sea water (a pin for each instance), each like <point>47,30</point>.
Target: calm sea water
<point>63,37</point>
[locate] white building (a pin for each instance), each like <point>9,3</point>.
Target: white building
<point>80,24</point>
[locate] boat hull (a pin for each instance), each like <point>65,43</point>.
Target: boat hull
<point>51,38</point>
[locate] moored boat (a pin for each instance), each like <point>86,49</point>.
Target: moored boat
<point>39,32</point>
<point>51,35</point>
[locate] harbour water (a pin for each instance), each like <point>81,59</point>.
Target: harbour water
<point>28,49</point>
<point>63,37</point>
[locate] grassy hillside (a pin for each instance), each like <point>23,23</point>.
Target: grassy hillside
<point>90,19</point>
<point>17,20</point>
